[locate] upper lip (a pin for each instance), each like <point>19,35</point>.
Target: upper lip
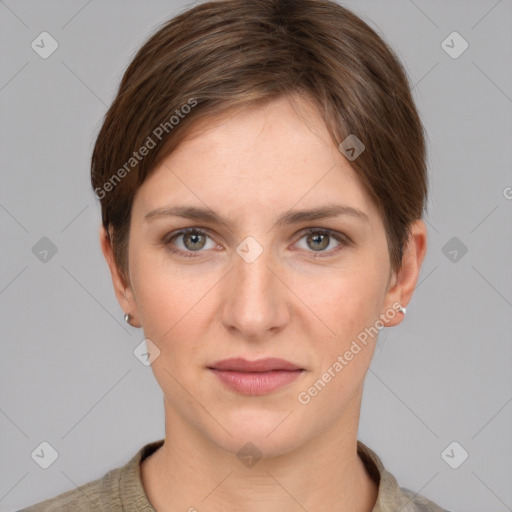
<point>239,364</point>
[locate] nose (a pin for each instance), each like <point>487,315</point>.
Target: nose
<point>255,297</point>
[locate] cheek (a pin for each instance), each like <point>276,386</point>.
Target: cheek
<point>349,303</point>
<point>172,301</point>
<point>157,300</point>
<point>165,307</point>
<point>349,306</point>
<point>346,301</point>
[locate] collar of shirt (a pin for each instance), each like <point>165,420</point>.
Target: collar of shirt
<point>391,497</point>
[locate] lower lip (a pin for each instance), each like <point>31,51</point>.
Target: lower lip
<point>256,383</point>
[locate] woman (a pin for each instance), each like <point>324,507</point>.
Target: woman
<point>262,180</point>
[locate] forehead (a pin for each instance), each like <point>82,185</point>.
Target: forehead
<point>263,159</point>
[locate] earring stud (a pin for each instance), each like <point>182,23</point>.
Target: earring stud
<point>402,310</point>
<point>127,318</point>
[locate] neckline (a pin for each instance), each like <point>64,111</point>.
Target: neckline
<point>134,498</point>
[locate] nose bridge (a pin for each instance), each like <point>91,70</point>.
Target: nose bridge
<point>255,303</point>
<point>254,275</point>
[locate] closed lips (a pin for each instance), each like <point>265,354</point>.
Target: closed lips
<point>262,365</point>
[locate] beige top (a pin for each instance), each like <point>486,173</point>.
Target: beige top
<point>121,490</point>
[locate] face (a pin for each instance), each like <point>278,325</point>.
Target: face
<point>261,282</point>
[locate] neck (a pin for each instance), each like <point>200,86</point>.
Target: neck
<point>190,472</point>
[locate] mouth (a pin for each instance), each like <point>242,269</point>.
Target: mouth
<point>255,377</point>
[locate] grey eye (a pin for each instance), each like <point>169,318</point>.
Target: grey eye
<point>190,241</point>
<point>318,241</point>
<point>194,241</point>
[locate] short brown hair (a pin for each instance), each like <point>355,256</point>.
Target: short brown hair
<point>224,54</point>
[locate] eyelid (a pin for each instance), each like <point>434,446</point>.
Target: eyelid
<point>339,235</point>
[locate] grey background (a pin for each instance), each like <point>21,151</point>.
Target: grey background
<point>68,373</point>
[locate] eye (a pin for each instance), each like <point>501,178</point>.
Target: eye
<point>320,239</point>
<point>193,240</point>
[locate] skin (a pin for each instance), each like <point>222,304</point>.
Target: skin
<point>250,167</point>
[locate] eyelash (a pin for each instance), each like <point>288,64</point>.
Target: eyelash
<point>343,240</point>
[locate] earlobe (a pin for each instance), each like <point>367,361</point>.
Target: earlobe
<point>405,279</point>
<point>121,288</point>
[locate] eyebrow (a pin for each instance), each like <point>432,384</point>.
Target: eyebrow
<point>288,218</point>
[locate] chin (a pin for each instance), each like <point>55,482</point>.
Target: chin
<point>263,432</point>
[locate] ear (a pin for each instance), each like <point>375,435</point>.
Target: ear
<point>122,289</point>
<point>402,283</point>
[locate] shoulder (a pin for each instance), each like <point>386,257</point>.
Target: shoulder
<point>118,490</point>
<point>94,495</point>
<point>409,501</point>
<point>391,497</point>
